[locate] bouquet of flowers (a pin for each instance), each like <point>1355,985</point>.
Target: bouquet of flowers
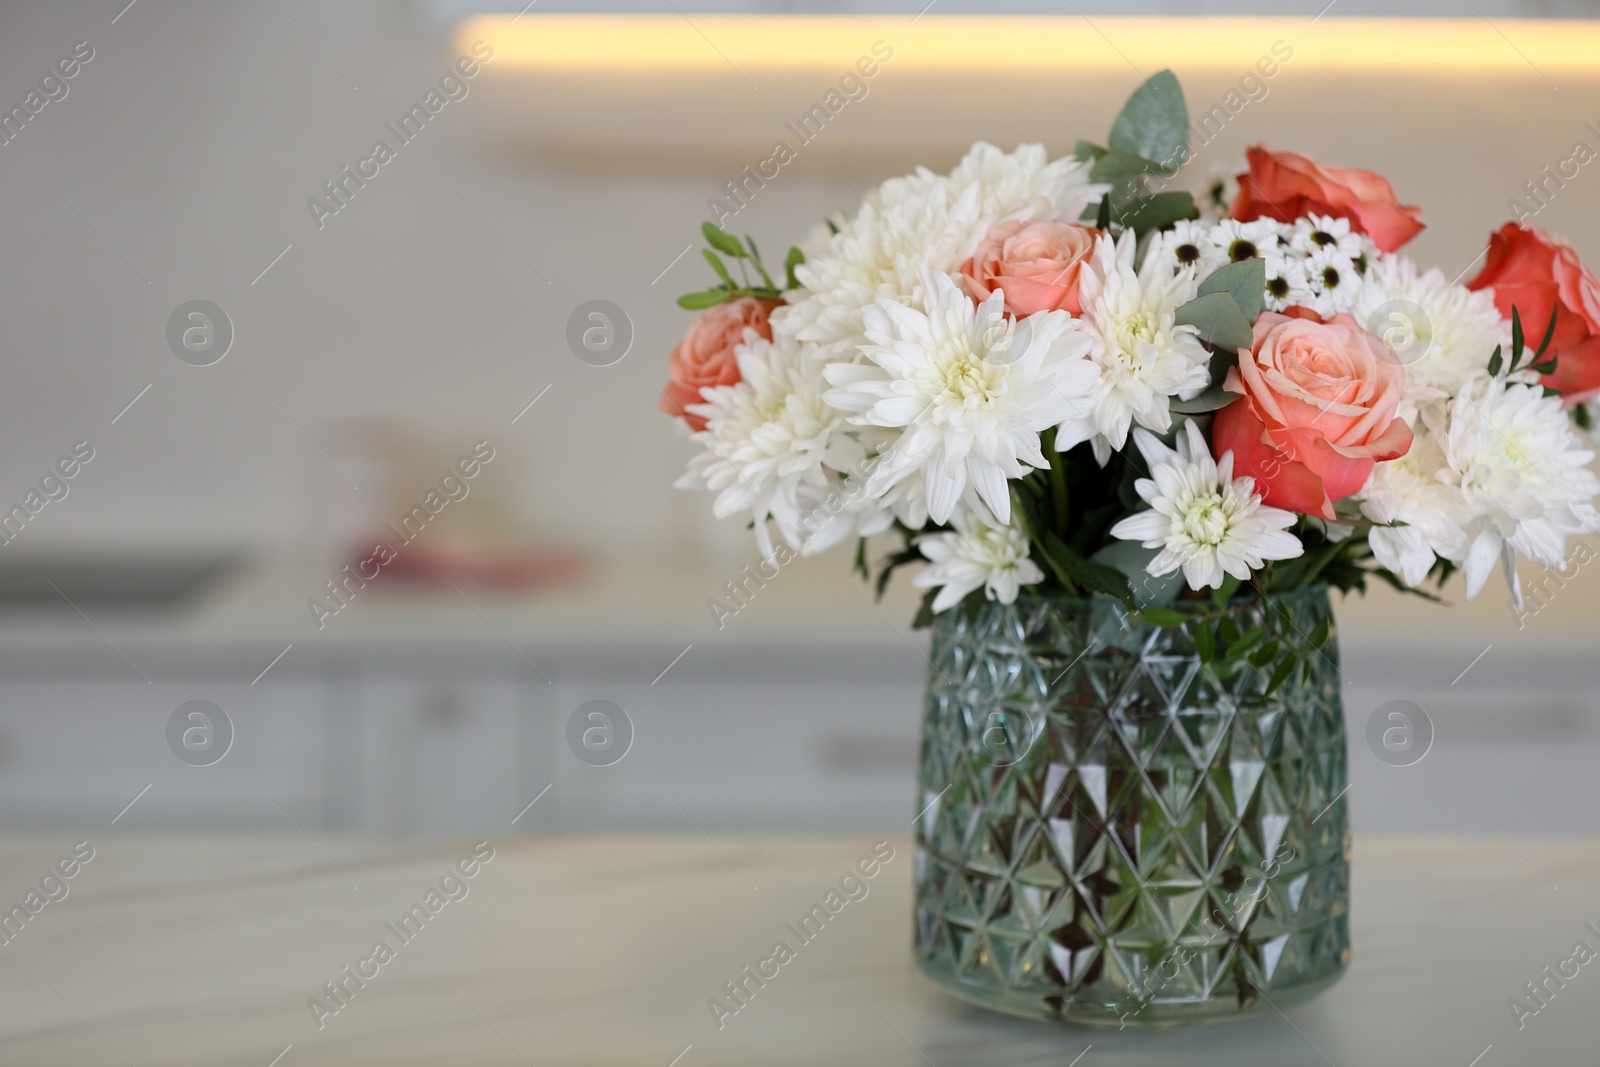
<point>1057,375</point>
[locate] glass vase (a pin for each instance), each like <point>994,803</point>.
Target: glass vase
<point>1115,830</point>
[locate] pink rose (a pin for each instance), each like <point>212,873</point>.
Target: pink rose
<point>1317,411</point>
<point>1035,263</point>
<point>705,355</point>
<point>1285,186</point>
<point>1537,274</point>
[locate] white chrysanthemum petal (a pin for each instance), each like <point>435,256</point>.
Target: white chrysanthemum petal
<point>1522,472</point>
<point>1444,333</point>
<point>768,437</point>
<point>968,388</point>
<point>1145,359</point>
<point>976,554</point>
<point>1205,525</point>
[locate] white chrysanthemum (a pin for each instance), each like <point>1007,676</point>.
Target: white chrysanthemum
<point>1415,492</point>
<point>1201,517</point>
<point>1444,333</point>
<point>905,225</point>
<point>1523,474</point>
<point>768,436</point>
<point>1145,359</point>
<point>969,388</point>
<point>924,221</point>
<point>1025,184</point>
<point>976,554</point>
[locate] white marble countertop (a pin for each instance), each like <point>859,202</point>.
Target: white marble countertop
<point>191,951</point>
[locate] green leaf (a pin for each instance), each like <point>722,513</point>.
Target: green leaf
<point>1158,212</point>
<point>1245,281</point>
<point>706,299</point>
<point>924,617</point>
<point>1549,331</point>
<point>1516,337</point>
<point>1205,643</point>
<point>1117,166</point>
<point>722,240</point>
<point>1085,151</point>
<point>1090,576</point>
<point>1495,362</point>
<point>1132,560</point>
<point>1214,398</point>
<point>1319,634</point>
<point>1281,673</point>
<point>1219,319</point>
<point>793,260</point>
<point>1154,123</point>
<point>716,265</point>
<point>1102,217</point>
<point>861,559</point>
<point>755,257</point>
<point>1164,617</point>
<point>1263,656</point>
<point>1247,641</point>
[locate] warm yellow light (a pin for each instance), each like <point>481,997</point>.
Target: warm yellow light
<point>645,43</point>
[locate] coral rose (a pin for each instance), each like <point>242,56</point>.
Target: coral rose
<point>705,356</point>
<point>1035,263</point>
<point>1317,411</point>
<point>1536,273</point>
<point>1286,186</point>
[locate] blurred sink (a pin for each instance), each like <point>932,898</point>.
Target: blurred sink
<point>132,581</point>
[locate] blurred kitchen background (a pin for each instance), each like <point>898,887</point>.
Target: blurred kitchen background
<point>375,348</point>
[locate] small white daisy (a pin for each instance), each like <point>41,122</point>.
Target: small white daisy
<point>1313,233</point>
<point>1201,517</point>
<point>1335,282</point>
<point>976,554</point>
<point>1190,246</point>
<point>1287,284</point>
<point>969,388</point>
<point>1238,241</point>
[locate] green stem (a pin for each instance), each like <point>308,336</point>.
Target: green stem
<point>1058,484</point>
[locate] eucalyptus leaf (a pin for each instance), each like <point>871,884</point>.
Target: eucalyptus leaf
<point>1085,151</point>
<point>1132,559</point>
<point>1245,281</point>
<point>1157,212</point>
<point>1154,123</point>
<point>1118,166</point>
<point>1219,320</point>
<point>1214,398</point>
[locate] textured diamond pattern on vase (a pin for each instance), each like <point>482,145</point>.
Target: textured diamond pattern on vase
<point>1114,834</point>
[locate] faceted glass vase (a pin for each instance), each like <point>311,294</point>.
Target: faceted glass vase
<point>1112,832</point>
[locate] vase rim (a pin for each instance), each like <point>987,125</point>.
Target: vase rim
<point>1305,591</point>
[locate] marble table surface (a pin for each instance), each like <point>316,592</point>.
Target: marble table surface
<point>603,952</point>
